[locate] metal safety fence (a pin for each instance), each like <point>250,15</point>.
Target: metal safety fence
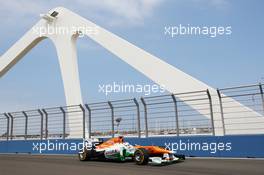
<point>228,111</point>
<point>242,109</point>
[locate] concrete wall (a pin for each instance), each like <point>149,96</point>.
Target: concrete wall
<point>200,146</point>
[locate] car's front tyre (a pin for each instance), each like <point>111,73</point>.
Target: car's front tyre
<point>180,156</point>
<point>141,156</point>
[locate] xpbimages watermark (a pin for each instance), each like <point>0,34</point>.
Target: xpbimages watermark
<point>209,31</point>
<point>57,146</point>
<point>211,147</point>
<point>116,87</point>
<point>60,146</point>
<point>65,30</point>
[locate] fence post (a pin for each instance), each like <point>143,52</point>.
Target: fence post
<point>145,115</point>
<point>176,114</point>
<point>211,110</point>
<point>89,120</point>
<point>12,125</point>
<point>46,123</point>
<point>221,111</point>
<point>112,118</point>
<point>138,117</point>
<point>7,126</point>
<point>41,124</point>
<point>26,123</point>
<point>64,122</point>
<point>262,95</point>
<point>83,112</point>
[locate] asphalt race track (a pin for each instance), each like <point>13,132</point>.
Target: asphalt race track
<point>70,165</point>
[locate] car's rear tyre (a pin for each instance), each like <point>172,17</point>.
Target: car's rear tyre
<point>141,156</point>
<point>84,155</point>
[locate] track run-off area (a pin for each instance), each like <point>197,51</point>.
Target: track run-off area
<point>25,164</point>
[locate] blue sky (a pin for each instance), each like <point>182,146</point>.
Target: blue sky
<point>222,61</point>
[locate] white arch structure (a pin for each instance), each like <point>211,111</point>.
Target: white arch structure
<point>162,73</point>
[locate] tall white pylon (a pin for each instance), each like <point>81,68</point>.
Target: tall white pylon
<point>162,73</point>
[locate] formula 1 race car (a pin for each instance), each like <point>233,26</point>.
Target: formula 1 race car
<point>117,149</point>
